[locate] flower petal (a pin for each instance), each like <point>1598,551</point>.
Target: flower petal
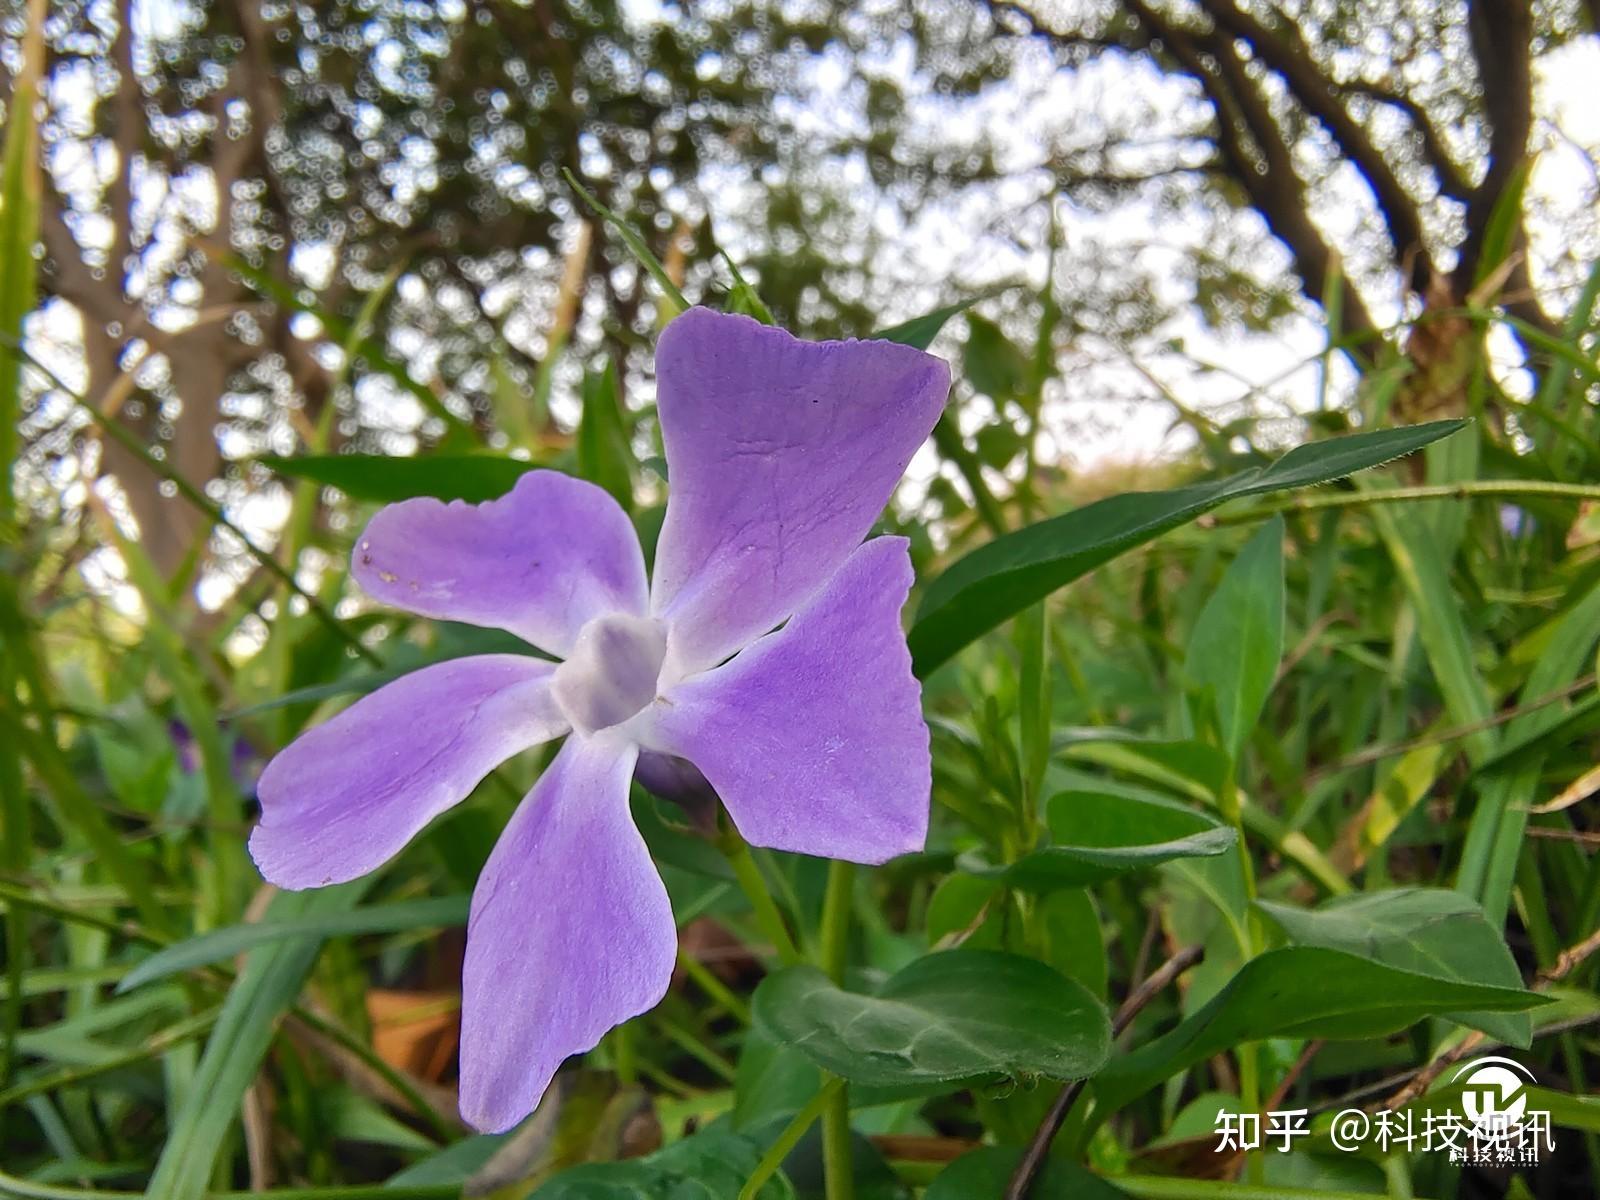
<point>571,933</point>
<point>346,796</point>
<point>540,561</point>
<point>814,736</point>
<point>781,454</point>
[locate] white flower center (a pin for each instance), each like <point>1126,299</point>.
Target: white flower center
<point>612,671</point>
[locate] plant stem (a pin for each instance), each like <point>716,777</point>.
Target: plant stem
<point>1032,1161</point>
<point>838,1172</point>
<point>754,887</point>
<point>713,987</point>
<point>1467,489</point>
<point>789,1138</point>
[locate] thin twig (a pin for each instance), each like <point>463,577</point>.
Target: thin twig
<point>1378,753</point>
<point>1033,1158</point>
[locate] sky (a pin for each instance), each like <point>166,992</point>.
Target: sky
<point>1107,409</point>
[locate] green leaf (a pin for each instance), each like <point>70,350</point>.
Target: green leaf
<point>382,478</point>
<point>271,979</point>
<point>920,331</point>
<point>1299,991</point>
<point>354,1118</point>
<point>1495,836</point>
<point>986,1172</point>
<point>710,1165</point>
<point>772,1082</point>
<point>455,1164</point>
<point>1000,579</point>
<point>960,1015</point>
<point>998,443</point>
<point>1237,641</point>
<point>604,455</point>
<point>222,944</point>
<point>992,364</point>
<point>1095,837</point>
<point>1437,932</point>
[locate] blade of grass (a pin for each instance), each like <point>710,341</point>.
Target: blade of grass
<point>634,242</point>
<point>266,988</point>
<point>222,944</point>
<point>19,228</point>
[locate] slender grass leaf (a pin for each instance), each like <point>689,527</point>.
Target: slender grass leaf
<point>19,228</point>
<point>634,242</point>
<point>384,479</point>
<point>1495,834</point>
<point>604,455</point>
<point>1000,579</point>
<point>221,944</point>
<point>742,298</point>
<point>957,1015</point>
<point>271,979</point>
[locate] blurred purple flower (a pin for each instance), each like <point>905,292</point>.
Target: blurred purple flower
<point>242,761</point>
<point>781,455</point>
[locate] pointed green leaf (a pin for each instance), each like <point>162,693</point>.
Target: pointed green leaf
<point>222,944</point>
<point>635,244</point>
<point>1000,579</point>
<point>1299,991</point>
<point>920,331</point>
<point>1237,642</point>
<point>993,365</point>
<point>742,298</point>
<point>384,479</point>
<point>1437,932</point>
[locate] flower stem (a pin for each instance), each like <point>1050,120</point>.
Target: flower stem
<point>754,887</point>
<point>789,1138</point>
<point>838,1173</point>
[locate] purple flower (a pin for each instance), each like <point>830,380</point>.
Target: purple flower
<point>781,455</point>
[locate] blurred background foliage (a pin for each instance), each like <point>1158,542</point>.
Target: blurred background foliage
<point>266,265</point>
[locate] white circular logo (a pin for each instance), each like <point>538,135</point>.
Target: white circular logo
<point>1494,1097</point>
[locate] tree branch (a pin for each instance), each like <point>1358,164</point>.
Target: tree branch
<point>1285,52</point>
<point>1033,1158</point>
<point>1501,36</point>
<point>1270,181</point>
<point>1453,181</point>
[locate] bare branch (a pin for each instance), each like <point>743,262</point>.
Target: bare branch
<point>1285,52</point>
<point>1268,175</point>
<point>1502,37</point>
<point>1453,181</point>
